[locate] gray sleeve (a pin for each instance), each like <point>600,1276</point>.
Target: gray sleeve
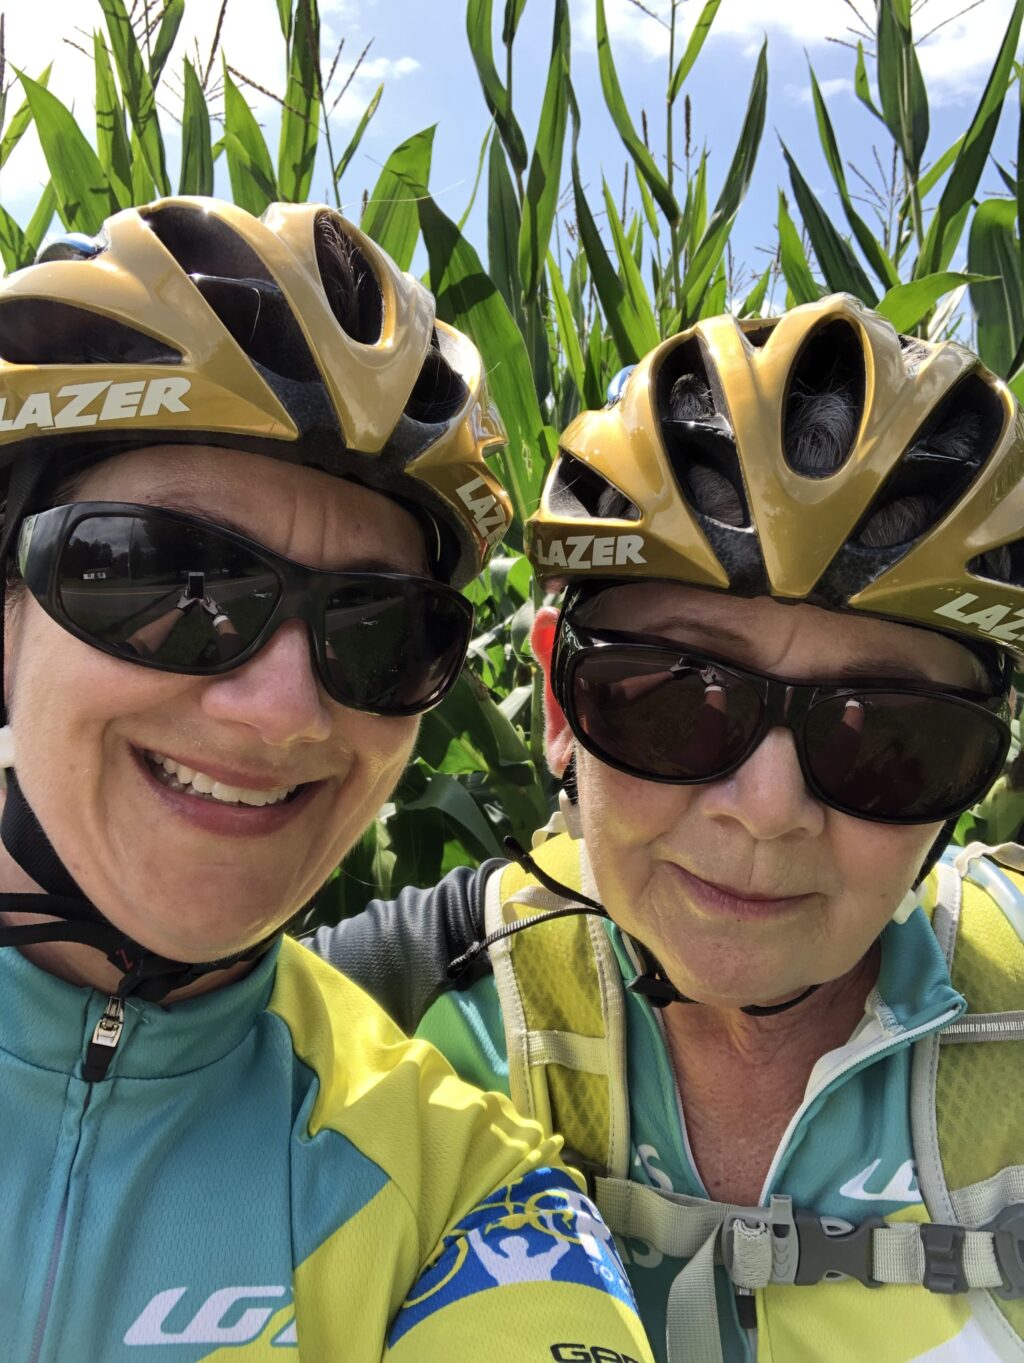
<point>398,950</point>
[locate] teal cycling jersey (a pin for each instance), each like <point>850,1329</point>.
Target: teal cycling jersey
<point>272,1171</point>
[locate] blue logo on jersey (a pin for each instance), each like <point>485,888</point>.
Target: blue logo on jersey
<point>539,1230</point>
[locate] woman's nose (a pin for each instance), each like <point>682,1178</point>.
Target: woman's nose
<point>276,693</point>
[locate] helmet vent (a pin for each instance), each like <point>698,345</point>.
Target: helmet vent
<point>349,281</point>
<point>938,468</point>
<point>825,401</point>
<point>757,335</point>
<point>577,491</point>
<point>42,331</point>
<point>1005,564</point>
<point>915,352</point>
<point>438,392</point>
<point>204,244</point>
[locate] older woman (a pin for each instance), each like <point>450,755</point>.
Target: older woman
<point>795,582</point>
<point>236,457</point>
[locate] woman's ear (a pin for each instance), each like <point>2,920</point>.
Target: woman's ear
<point>557,734</point>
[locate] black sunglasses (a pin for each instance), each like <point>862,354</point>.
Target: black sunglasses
<point>895,752</point>
<point>170,591</point>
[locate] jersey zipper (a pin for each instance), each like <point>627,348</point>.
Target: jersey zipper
<point>103,1043</point>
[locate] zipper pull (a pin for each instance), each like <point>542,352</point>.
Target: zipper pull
<point>106,1034</point>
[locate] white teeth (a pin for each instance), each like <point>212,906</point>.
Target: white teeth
<point>202,786</point>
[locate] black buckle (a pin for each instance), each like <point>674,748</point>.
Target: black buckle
<point>1008,1242</point>
<point>943,1259</point>
<point>830,1247</point>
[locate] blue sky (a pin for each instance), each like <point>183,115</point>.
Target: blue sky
<point>420,52</point>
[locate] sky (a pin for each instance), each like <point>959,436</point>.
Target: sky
<point>420,53</point>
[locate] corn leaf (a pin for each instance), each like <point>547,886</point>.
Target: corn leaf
<point>861,85</point>
<point>499,100</point>
<point>873,249</point>
<point>83,192</point>
<point>284,14</point>
<point>138,92</point>
<point>836,260</point>
<point>503,232</point>
<point>908,304</point>
<point>993,250</point>
<point>900,83</point>
<point>14,248</point>
<point>253,183</point>
<point>629,274</point>
<point>568,336</point>
<point>793,258</point>
<point>346,156</point>
<point>543,182</point>
<point>468,298</point>
<point>170,22</point>
<point>713,302</point>
<point>513,14</point>
<point>753,304</point>
<point>955,200</point>
<point>196,149</point>
<point>696,215</point>
<point>391,216</point>
<point>112,145</point>
<point>19,123</point>
<point>300,129</point>
<point>712,245</point>
<point>613,97</point>
<point>650,212</point>
<point>698,37</point>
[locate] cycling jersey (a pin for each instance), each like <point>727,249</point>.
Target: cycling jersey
<point>272,1171</point>
<point>848,1153</point>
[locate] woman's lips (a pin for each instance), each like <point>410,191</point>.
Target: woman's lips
<point>719,900</point>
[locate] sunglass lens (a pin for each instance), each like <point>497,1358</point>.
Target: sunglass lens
<point>901,757</point>
<point>394,648</point>
<point>661,717</point>
<point>161,590</point>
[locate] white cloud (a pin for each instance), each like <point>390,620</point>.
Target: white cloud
<point>836,85</point>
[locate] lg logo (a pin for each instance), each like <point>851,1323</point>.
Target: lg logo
<point>207,1325</point>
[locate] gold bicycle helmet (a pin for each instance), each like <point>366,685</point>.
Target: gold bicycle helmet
<point>292,335</point>
<point>815,457</point>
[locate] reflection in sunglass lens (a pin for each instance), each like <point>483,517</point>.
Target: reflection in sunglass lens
<point>163,590</point>
<point>891,755</point>
<point>660,717</point>
<point>392,650</point>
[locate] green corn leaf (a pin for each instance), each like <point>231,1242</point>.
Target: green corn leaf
<point>955,200</point>
<point>391,216</point>
<point>477,178</point>
<point>19,123</point>
<point>836,260</point>
<point>567,334</point>
<point>300,128</point>
<point>253,183</point>
<point>143,188</point>
<point>873,249</point>
<point>513,14</point>
<point>593,378</point>
<point>112,144</point>
<point>196,150</point>
<point>14,249</point>
<point>900,83</point>
<point>284,15</point>
<point>170,22</point>
<point>934,173</point>
<point>632,281</point>
<point>138,92</point>
<point>503,232</point>
<point>1008,180</point>
<point>705,259</point>
<point>696,216</point>
<point>499,100</point>
<point>650,212</point>
<point>753,304</point>
<point>1020,169</point>
<point>861,85</point>
<point>468,298</point>
<point>795,267</point>
<point>907,304</point>
<point>642,158</point>
<point>543,182</point>
<point>346,156</point>
<point>40,222</point>
<point>84,194</point>
<point>713,302</point>
<point>454,802</point>
<point>993,250</point>
<point>698,37</point>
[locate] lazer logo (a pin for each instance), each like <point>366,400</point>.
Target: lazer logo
<point>579,1353</point>
<point>70,406</point>
<point>591,551</point>
<point>991,619</point>
<point>227,1316</point>
<point>487,510</point>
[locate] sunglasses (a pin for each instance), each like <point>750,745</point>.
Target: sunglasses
<point>171,591</point>
<point>890,751</point>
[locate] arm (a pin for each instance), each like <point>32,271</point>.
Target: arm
<point>399,950</point>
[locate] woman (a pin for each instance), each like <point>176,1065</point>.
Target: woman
<point>795,582</point>
<point>233,453</point>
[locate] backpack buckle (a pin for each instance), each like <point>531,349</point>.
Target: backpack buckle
<point>943,1258</point>
<point>831,1247</point>
<point>1008,1242</point>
